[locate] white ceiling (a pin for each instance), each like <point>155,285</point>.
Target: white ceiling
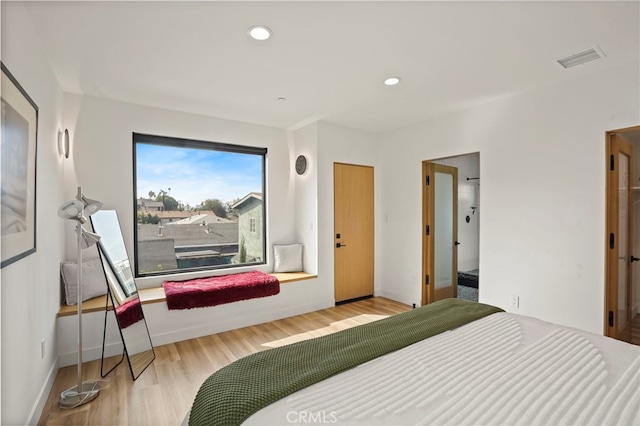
<point>328,58</point>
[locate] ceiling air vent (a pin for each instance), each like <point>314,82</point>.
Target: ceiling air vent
<point>590,54</point>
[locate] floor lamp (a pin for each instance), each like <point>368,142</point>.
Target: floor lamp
<point>79,209</point>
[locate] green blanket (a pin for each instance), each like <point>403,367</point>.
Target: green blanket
<point>235,392</point>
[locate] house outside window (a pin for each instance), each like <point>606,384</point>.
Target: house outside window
<point>250,226</point>
<point>199,205</point>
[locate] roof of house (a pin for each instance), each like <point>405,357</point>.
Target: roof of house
<point>149,203</point>
<point>249,197</point>
<point>174,214</point>
<point>157,253</point>
<point>200,218</point>
<point>191,234</point>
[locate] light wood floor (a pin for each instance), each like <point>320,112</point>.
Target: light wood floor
<point>163,394</point>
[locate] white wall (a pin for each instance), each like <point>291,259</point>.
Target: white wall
<point>542,197</point>
<point>30,289</point>
<point>305,142</point>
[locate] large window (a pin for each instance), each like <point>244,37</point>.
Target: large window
<point>199,205</point>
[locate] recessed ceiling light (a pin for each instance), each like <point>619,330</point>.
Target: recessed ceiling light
<point>392,81</point>
<point>259,32</point>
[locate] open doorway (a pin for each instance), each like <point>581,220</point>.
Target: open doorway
<point>466,243</point>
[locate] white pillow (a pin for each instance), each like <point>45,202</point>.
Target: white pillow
<point>94,282</point>
<point>288,257</point>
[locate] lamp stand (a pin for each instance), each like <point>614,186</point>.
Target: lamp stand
<point>87,391</point>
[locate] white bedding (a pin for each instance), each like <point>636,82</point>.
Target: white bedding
<point>504,369</point>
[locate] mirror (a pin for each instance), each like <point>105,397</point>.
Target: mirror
<point>123,294</point>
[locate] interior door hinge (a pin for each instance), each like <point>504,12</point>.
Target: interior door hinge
<point>612,240</point>
<point>610,318</point>
<point>426,279</point>
<point>427,230</point>
<point>427,180</point>
<point>612,162</point>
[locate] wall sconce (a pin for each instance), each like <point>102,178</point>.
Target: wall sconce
<point>63,143</point>
<point>301,164</point>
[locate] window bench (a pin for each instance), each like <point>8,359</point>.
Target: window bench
<point>156,294</point>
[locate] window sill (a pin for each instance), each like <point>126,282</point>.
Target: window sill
<point>156,294</point>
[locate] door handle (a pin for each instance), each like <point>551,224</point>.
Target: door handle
<point>456,243</point>
<point>338,245</point>
<point>634,259</point>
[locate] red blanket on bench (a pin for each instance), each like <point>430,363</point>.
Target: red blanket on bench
<point>129,313</point>
<point>211,291</point>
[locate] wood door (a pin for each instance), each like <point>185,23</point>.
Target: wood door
<point>440,235</point>
<point>354,231</point>
<point>619,239</point>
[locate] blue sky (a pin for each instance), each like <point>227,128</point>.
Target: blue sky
<point>195,175</point>
<point>106,224</point>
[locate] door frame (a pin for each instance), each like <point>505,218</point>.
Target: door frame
<point>428,285</point>
<point>611,222</point>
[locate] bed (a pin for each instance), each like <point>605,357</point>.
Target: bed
<point>478,366</point>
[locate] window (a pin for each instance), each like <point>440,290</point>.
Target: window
<point>199,205</point>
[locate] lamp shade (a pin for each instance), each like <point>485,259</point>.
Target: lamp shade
<point>88,238</point>
<point>72,210</point>
<point>80,208</point>
<point>90,206</point>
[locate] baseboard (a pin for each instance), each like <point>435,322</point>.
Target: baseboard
<point>398,297</point>
<point>36,411</point>
<point>90,354</point>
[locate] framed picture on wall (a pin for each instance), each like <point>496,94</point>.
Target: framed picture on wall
<point>18,143</point>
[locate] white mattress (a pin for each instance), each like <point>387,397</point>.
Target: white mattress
<point>504,369</point>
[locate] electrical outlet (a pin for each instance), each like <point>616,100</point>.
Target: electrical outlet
<point>514,301</point>
<point>42,348</point>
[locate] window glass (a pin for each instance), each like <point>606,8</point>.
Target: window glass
<point>199,205</point>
